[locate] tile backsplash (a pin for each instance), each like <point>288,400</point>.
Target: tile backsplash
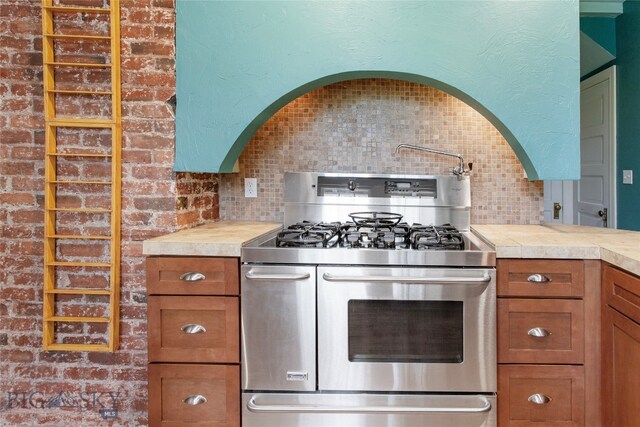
<point>354,126</point>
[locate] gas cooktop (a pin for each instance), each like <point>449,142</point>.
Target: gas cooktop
<point>377,233</point>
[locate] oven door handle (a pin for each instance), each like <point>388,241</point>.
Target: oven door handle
<point>337,409</point>
<point>406,279</point>
<point>278,276</point>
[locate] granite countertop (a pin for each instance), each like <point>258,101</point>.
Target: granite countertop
<point>618,247</point>
<point>224,238</point>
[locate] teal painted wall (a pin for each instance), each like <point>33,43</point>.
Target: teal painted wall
<point>628,156</point>
<point>602,31</point>
<point>515,62</point>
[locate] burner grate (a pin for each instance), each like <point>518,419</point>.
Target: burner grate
<point>365,235</point>
<point>430,237</point>
<point>307,234</point>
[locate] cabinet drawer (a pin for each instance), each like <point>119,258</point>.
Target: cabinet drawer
<point>193,329</point>
<point>622,291</point>
<point>541,395</point>
<point>540,278</point>
<point>194,395</point>
<point>540,331</point>
<point>192,276</point>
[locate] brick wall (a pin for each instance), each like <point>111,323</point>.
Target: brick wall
<point>47,388</point>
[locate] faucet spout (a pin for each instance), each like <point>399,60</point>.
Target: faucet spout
<point>458,170</point>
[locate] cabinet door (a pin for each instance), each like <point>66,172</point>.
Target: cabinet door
<point>192,276</point>
<point>194,395</point>
<point>621,291</point>
<point>541,278</point>
<point>620,376</point>
<point>547,396</point>
<point>540,331</point>
<point>193,329</point>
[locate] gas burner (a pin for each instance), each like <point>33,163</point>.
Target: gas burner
<point>307,234</point>
<point>375,236</point>
<point>430,237</point>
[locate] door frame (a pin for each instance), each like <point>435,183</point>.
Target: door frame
<point>607,74</point>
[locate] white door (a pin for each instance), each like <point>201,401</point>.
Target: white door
<point>558,202</point>
<point>594,194</point>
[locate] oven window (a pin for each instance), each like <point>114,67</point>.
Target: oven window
<point>405,331</point>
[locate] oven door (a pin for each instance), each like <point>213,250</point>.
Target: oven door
<point>406,329</point>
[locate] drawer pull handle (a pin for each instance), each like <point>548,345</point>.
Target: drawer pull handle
<point>192,277</point>
<point>538,278</point>
<point>539,399</point>
<point>193,329</point>
<point>196,399</point>
<point>538,332</point>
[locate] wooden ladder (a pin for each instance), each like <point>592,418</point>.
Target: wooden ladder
<point>70,279</point>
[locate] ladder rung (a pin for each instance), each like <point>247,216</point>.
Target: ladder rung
<point>76,236</point>
<point>80,210</point>
<point>79,155</point>
<point>78,264</point>
<point>77,319</point>
<point>80,182</point>
<point>71,9</point>
<point>77,64</point>
<point>80,122</point>
<point>79,92</point>
<point>77,37</point>
<point>78,291</point>
<point>77,347</point>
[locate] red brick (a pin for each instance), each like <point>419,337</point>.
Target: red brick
<point>27,153</point>
<point>86,373</point>
<point>35,371</point>
<point>15,105</point>
<point>26,248</point>
<point>16,136</point>
<point>14,43</point>
<point>17,199</point>
<point>137,31</point>
<point>17,356</point>
<point>140,141</point>
<point>152,172</point>
<point>27,58</point>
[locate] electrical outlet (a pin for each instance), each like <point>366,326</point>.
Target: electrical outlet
<point>251,187</point>
<point>627,177</point>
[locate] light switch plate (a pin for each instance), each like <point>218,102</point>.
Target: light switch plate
<point>627,177</point>
<point>251,187</point>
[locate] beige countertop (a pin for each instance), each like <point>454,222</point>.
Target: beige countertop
<point>618,247</point>
<point>224,238</point>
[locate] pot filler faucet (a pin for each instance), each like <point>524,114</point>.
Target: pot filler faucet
<point>459,170</point>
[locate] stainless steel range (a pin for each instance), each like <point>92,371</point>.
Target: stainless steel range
<point>374,307</point>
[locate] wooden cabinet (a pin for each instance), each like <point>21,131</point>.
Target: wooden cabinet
<point>536,278</point>
<point>200,329</point>
<point>541,395</point>
<point>194,395</point>
<point>621,347</point>
<point>192,276</point>
<point>548,328</point>
<point>540,331</point>
<point>193,341</point>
